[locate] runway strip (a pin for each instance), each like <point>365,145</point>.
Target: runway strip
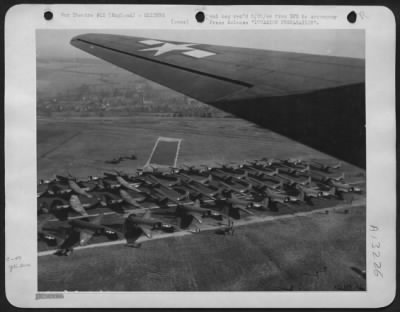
<point>355,203</point>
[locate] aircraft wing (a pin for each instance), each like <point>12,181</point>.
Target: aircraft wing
<point>76,205</point>
<point>42,221</point>
<point>146,231</point>
<point>86,233</point>
<point>309,98</point>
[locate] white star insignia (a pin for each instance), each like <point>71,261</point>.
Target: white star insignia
<point>168,47</point>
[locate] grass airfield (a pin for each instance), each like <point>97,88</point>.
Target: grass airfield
<point>314,252</point>
<point>81,146</point>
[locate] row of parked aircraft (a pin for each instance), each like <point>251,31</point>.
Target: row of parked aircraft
<point>222,192</point>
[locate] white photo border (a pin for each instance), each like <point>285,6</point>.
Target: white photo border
<point>21,24</point>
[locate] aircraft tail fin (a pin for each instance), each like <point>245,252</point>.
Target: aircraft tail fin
<point>178,182</point>
<point>301,196</point>
<point>337,166</point>
<point>339,178</point>
<point>196,203</point>
<point>262,188</point>
<point>147,214</point>
<point>233,196</point>
<point>98,219</point>
<point>332,191</point>
<point>219,192</point>
<point>184,196</point>
<point>249,187</point>
<point>146,232</point>
<point>228,179</point>
<point>246,210</point>
<point>189,179</point>
<point>60,178</point>
<point>258,174</point>
<point>280,184</point>
<point>196,217</point>
<point>229,192</point>
<point>109,174</point>
<point>266,202</point>
<point>163,201</point>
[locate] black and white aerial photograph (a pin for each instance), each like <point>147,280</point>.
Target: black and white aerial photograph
<point>177,160</point>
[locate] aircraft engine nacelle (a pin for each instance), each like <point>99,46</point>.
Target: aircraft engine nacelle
<point>286,199</point>
<point>115,201</point>
<point>59,206</point>
<point>110,234</point>
<point>43,207</point>
<point>167,228</point>
<point>64,192</point>
<point>215,215</point>
<point>49,239</point>
<point>156,225</point>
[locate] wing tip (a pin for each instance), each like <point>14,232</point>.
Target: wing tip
<point>83,37</point>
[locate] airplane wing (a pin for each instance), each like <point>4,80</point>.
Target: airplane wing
<point>42,221</point>
<point>85,234</point>
<point>146,231</point>
<point>317,100</point>
<point>147,214</point>
<point>76,205</point>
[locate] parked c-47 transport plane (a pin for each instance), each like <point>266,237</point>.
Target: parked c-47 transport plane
<point>314,99</point>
